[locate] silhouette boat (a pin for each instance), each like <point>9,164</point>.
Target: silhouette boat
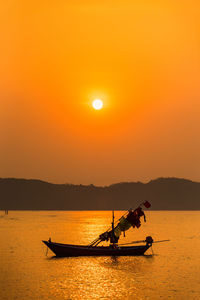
<point>130,219</point>
<point>66,250</point>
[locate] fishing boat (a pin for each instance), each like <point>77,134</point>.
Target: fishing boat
<point>132,218</point>
<point>66,250</point>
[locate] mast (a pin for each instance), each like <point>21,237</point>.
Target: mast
<point>113,238</point>
<point>113,221</point>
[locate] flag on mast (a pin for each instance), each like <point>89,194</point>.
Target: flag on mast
<point>147,204</point>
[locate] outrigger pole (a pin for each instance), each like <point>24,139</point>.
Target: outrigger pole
<point>143,241</point>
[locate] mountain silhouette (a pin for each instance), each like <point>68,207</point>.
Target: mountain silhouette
<point>162,193</point>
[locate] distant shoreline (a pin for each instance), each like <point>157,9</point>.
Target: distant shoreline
<point>176,194</point>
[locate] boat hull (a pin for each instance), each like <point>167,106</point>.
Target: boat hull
<point>67,250</point>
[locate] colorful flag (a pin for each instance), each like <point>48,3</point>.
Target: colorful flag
<point>147,204</point>
<point>124,224</point>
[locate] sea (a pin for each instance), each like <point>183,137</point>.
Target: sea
<point>170,270</point>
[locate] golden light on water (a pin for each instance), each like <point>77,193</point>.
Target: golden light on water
<point>119,278</point>
<point>97,104</point>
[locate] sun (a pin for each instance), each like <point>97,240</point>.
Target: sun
<point>97,104</point>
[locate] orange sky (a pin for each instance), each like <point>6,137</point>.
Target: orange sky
<point>142,58</point>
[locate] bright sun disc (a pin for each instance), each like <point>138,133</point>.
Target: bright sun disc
<point>97,104</point>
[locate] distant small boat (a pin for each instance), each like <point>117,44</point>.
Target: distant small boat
<point>130,218</point>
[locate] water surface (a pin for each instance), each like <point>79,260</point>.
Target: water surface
<point>173,271</point>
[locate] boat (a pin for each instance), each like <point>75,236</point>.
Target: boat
<point>130,218</point>
<point>67,250</point>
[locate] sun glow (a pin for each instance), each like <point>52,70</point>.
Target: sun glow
<point>97,104</point>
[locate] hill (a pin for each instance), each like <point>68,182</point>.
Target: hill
<point>163,193</point>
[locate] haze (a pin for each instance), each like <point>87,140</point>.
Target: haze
<point>142,58</point>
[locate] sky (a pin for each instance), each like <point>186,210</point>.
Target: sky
<point>141,58</point>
